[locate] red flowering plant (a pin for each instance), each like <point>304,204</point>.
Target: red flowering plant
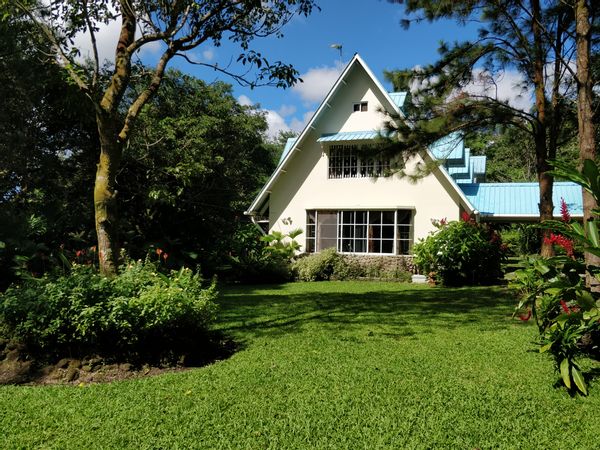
<point>553,290</point>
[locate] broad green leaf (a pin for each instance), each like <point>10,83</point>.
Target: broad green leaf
<point>545,348</point>
<point>585,300</point>
<point>592,233</point>
<point>564,372</point>
<point>579,380</point>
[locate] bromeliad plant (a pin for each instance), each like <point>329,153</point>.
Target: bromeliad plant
<point>553,290</point>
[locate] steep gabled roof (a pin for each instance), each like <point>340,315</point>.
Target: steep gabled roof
<point>395,101</point>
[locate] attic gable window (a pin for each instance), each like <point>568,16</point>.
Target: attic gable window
<point>361,107</point>
<point>345,162</point>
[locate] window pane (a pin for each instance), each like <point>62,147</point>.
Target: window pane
<point>363,106</point>
<point>404,248</point>
<point>356,107</point>
<point>310,245</point>
<point>404,216</point>
<point>360,231</point>
<point>374,217</point>
<point>310,231</point>
<point>374,246</point>
<point>348,217</point>
<point>375,231</point>
<point>310,217</point>
<point>388,217</point>
<point>387,232</point>
<point>347,245</point>
<point>361,217</point>
<point>326,230</point>
<point>387,246</point>
<point>348,231</point>
<point>360,245</point>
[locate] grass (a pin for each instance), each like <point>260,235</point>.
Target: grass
<point>331,365</point>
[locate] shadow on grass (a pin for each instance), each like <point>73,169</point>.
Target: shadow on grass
<point>272,310</point>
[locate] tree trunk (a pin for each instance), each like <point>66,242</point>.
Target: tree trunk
<point>541,150</point>
<point>587,146</point>
<point>105,194</point>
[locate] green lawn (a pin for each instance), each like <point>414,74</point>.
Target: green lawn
<point>331,365</point>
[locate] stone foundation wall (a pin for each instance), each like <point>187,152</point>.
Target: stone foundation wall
<point>384,263</point>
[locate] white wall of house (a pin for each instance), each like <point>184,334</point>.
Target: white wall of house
<point>305,184</point>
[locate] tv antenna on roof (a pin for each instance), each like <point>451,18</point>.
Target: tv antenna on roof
<point>338,47</point>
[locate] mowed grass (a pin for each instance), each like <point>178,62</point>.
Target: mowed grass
<point>331,365</point>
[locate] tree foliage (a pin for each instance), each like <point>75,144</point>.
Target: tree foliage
<point>177,26</point>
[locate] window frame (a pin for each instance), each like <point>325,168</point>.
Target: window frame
<point>362,106</point>
<point>347,231</point>
<point>345,161</point>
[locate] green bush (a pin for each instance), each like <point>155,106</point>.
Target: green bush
<point>521,239</point>
<point>554,291</point>
<point>261,259</point>
<point>318,266</point>
<point>139,311</point>
<point>461,253</point>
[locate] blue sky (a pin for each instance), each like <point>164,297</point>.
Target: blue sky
<point>369,27</point>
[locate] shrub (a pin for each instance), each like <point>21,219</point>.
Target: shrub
<point>553,290</point>
<point>318,266</point>
<point>521,239</point>
<point>461,253</point>
<point>138,312</point>
<point>262,259</point>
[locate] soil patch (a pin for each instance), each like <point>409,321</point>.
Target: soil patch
<point>17,366</point>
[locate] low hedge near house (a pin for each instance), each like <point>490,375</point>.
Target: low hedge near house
<point>330,265</point>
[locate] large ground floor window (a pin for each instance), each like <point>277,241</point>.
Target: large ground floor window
<point>386,232</point>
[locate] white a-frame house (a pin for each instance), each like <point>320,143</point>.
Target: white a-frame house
<point>327,184</point>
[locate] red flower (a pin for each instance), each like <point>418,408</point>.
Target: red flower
<point>564,211</point>
<point>443,221</point>
<point>561,241</point>
<point>159,251</point>
<point>525,317</point>
<point>564,307</point>
<point>465,216</point>
<point>79,253</point>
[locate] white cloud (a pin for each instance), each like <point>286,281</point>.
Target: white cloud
<point>107,37</point>
<point>244,100</point>
<point>276,123</point>
<point>281,120</point>
<point>287,110</point>
<point>317,82</point>
<point>208,54</point>
<point>508,86</point>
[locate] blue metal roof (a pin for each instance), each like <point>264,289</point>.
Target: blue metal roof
<point>479,164</point>
<point>462,171</point>
<point>398,98</point>
<point>520,199</point>
<point>288,146</point>
<point>450,148</point>
<point>350,136</point>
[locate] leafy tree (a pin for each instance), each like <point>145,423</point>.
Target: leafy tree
<point>194,161</point>
<point>179,26</point>
<point>46,155</point>
<point>513,35</point>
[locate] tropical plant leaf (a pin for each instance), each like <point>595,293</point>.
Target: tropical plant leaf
<point>564,372</point>
<point>579,380</point>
